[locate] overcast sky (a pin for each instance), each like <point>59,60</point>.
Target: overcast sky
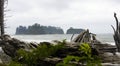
<point>95,15</point>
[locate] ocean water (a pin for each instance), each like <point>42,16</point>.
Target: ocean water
<point>46,37</point>
<point>105,38</point>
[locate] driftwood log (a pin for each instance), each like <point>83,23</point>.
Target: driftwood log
<point>117,33</point>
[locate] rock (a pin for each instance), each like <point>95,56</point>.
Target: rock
<point>5,59</point>
<point>54,60</point>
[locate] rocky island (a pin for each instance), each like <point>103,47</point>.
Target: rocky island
<point>74,31</point>
<point>37,29</point>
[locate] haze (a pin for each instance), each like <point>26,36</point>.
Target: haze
<point>95,15</point>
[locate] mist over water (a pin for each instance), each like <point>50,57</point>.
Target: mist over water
<point>105,38</point>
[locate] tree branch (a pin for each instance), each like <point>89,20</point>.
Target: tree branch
<point>117,25</point>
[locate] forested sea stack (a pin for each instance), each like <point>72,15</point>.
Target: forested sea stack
<point>74,31</point>
<point>37,29</point>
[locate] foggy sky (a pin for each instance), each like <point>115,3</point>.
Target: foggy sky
<point>96,15</point>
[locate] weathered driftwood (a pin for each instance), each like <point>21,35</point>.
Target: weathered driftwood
<point>117,33</point>
<point>83,37</point>
<point>87,37</point>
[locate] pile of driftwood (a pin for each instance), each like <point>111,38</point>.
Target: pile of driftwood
<point>85,36</point>
<point>90,38</point>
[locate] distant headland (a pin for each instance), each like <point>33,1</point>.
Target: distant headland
<point>37,29</point>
